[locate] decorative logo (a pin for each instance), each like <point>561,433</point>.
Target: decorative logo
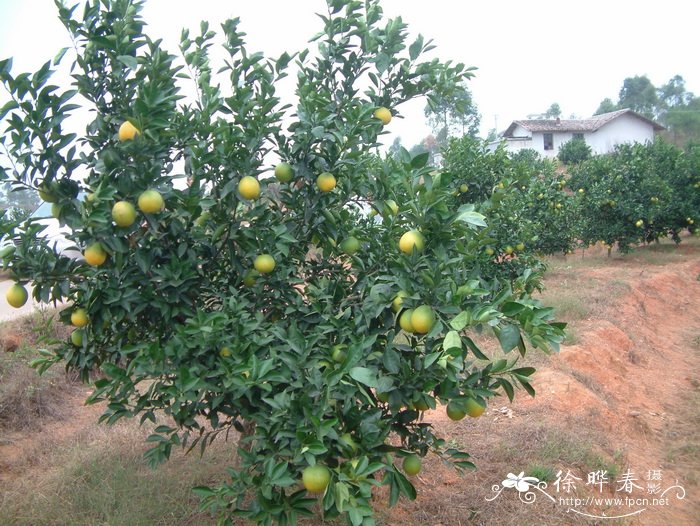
<point>653,493</point>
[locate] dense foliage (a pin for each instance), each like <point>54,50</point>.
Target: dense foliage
<point>218,292</point>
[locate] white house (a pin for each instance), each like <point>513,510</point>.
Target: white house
<point>601,132</point>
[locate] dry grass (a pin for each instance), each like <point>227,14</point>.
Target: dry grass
<point>26,397</point>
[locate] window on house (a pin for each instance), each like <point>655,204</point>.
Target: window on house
<point>548,141</point>
<point>577,136</point>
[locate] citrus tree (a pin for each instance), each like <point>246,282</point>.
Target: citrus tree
<point>639,193</point>
<point>254,267</point>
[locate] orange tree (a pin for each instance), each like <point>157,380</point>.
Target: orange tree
<point>219,292</point>
<point>638,193</point>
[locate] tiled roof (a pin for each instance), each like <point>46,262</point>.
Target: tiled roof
<point>574,125</point>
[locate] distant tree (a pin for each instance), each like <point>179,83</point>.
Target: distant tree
<point>574,151</point>
<point>429,145</point>
<point>639,94</point>
<point>606,106</point>
<point>554,111</point>
<point>453,114</point>
<point>19,198</point>
<point>395,147</point>
<point>673,93</point>
<point>492,135</point>
<point>683,123</point>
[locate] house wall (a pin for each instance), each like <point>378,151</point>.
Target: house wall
<point>537,143</point>
<point>624,129</point>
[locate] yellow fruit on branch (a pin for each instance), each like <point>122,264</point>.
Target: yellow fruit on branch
<point>405,320</point>
<point>423,319</point>
<point>95,254</point>
<point>326,182</point>
<point>151,202</point>
<point>127,131</point>
<point>264,263</point>
<point>316,478</point>
<point>410,240</point>
<point>123,213</point>
<point>249,187</point>
<point>79,318</point>
<point>383,114</point>
<point>16,295</point>
<point>474,408</point>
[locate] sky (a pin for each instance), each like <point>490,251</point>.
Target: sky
<point>528,54</point>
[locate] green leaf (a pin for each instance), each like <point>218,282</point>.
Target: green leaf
<point>460,321</point>
<point>420,160</point>
<point>364,376</point>
<point>129,61</point>
<point>452,340</point>
<point>415,49</point>
<point>509,337</point>
<point>466,214</point>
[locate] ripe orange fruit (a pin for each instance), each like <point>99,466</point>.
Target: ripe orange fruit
<point>412,465</point>
<point>249,187</point>
<point>95,255</point>
<point>456,410</point>
<point>405,320</point>
<point>127,131</point>
<point>16,295</point>
<point>325,182</point>
<point>410,240</point>
<point>79,318</point>
<point>383,114</point>
<point>284,172</point>
<point>264,263</point>
<point>423,319</point>
<point>316,478</point>
<point>123,213</point>
<point>474,408</point>
<point>151,202</point>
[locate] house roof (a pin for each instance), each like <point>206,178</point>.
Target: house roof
<point>575,125</point>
